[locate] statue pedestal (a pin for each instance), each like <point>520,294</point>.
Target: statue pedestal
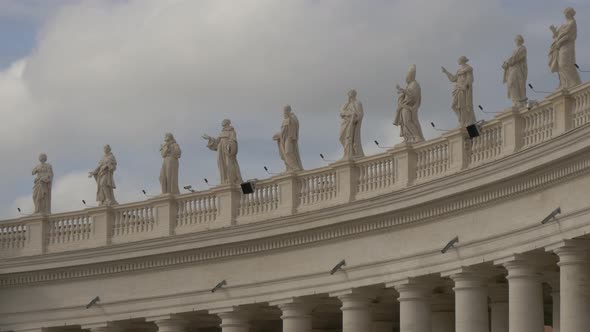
<point>404,158</point>
<point>36,226</point>
<point>229,203</point>
<point>165,210</point>
<point>347,174</point>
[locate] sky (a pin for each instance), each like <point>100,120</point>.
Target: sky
<point>76,75</point>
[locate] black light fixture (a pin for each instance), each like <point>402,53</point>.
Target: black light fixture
<point>437,129</point>
<point>324,159</point>
<point>92,302</point>
<point>450,245</point>
<point>219,286</point>
<point>382,147</point>
<point>248,187</point>
<point>580,70</point>
<point>338,266</point>
<point>486,112</point>
<point>269,172</point>
<point>532,88</point>
<point>551,216</point>
<point>189,188</point>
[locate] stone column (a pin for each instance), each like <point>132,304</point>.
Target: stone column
<point>171,325</point>
<point>296,314</point>
<point>102,327</point>
<point>357,315</point>
<point>443,313</point>
<point>552,278</point>
<point>574,285</point>
<point>415,313</point>
<point>233,319</point>
<point>525,296</point>
<point>499,307</point>
<point>471,302</point>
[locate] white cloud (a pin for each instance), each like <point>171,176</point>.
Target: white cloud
<point>124,73</point>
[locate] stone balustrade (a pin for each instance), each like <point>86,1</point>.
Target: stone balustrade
<point>305,191</point>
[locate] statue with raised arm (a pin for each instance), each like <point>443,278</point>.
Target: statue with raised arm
<point>42,186</point>
<point>351,114</point>
<point>516,72</point>
<point>408,103</point>
<point>226,146</point>
<point>562,54</point>
<point>104,176</point>
<point>462,101</point>
<point>287,140</point>
<point>170,152</point>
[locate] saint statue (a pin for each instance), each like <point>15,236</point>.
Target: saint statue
<point>287,141</point>
<point>170,151</point>
<point>515,73</point>
<point>226,146</point>
<point>408,103</point>
<point>562,54</point>
<point>105,182</point>
<point>350,127</point>
<point>462,103</point>
<point>42,186</point>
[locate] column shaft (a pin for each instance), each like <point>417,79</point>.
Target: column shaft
<point>414,306</point>
<point>234,322</point>
<point>296,317</point>
<point>356,313</point>
<point>525,297</point>
<point>574,287</point>
<point>471,303</point>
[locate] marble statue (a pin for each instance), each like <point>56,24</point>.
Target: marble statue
<point>42,186</point>
<point>226,146</point>
<point>515,73</point>
<point>287,140</point>
<point>170,151</point>
<point>408,103</point>
<point>462,103</point>
<point>105,182</point>
<point>350,127</point>
<point>562,54</point>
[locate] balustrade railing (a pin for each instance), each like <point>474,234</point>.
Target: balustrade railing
<point>13,235</point>
<point>538,124</point>
<point>488,145</point>
<point>263,200</point>
<point>133,218</point>
<point>339,183</point>
<point>432,159</point>
<point>581,108</point>
<point>317,186</point>
<point>66,228</point>
<point>376,173</point>
<point>196,209</point>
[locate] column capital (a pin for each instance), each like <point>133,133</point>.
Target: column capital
<point>295,307</point>
<point>572,252</point>
<point>103,327</point>
<point>171,324</point>
<point>232,317</point>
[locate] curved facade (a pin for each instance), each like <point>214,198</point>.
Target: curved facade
<point>354,246</point>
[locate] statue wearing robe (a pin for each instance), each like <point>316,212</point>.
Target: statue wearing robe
<point>104,176</point>
<point>462,98</point>
<point>226,146</point>
<point>350,127</point>
<point>42,186</point>
<point>408,103</point>
<point>170,152</point>
<point>562,54</point>
<point>516,72</point>
<point>287,141</point>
